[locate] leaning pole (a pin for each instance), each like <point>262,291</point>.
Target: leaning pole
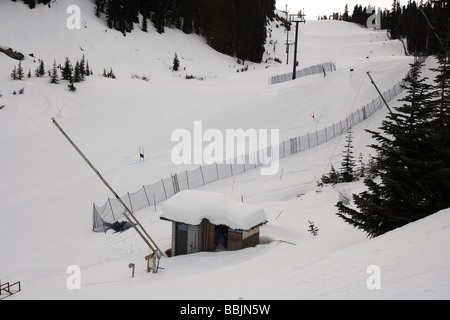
<point>136,224</point>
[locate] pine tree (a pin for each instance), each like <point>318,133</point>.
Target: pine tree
<point>41,69</point>
<point>345,16</point>
<point>332,178</point>
<point>14,73</point>
<point>71,86</point>
<point>144,23</point>
<point>54,77</point>
<point>111,74</point>
<point>66,72</point>
<point>77,72</point>
<point>362,167</point>
<point>159,13</point>
<point>176,63</point>
<point>348,161</point>
<point>403,154</point>
<point>82,67</point>
<point>20,73</point>
<point>439,179</point>
<point>88,70</point>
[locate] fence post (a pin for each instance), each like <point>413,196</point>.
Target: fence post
<point>146,195</point>
<point>217,171</point>
<point>203,178</point>
<point>309,142</point>
<point>162,181</point>
<point>112,211</point>
<point>131,205</point>
<point>187,179</point>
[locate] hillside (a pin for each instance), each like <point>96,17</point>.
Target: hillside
<point>47,191</point>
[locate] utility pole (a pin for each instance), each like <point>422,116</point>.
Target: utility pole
<point>287,39</point>
<point>297,18</point>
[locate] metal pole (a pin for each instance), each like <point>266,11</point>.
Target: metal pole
<point>432,29</point>
<point>113,192</point>
<point>287,39</point>
<point>294,72</point>
<point>300,17</point>
<point>382,98</point>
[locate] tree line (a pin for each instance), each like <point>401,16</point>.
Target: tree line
<point>232,27</point>
<point>409,21</point>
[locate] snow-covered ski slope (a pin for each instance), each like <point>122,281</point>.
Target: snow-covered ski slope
<point>47,190</point>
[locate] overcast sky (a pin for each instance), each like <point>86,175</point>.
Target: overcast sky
<point>314,8</point>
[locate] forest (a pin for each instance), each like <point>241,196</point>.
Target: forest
<point>233,27</point>
<point>410,21</point>
<point>226,25</point>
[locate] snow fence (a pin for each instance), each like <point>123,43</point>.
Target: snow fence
<point>152,194</point>
<point>320,68</point>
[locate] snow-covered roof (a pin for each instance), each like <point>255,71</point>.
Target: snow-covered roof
<point>192,206</point>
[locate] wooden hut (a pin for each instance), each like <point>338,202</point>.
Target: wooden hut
<point>207,221</point>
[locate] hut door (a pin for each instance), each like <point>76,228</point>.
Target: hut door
<point>181,239</point>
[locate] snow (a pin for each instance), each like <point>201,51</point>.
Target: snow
<point>192,206</point>
<point>47,190</point>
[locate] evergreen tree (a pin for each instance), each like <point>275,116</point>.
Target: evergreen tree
<point>41,69</point>
<point>71,86</point>
<point>54,77</point>
<point>14,73</point>
<point>348,161</point>
<point>20,73</point>
<point>111,74</point>
<point>362,167</point>
<point>31,3</point>
<point>439,179</point>
<point>82,66</point>
<point>88,70</point>
<point>345,16</point>
<point>110,13</point>
<point>66,72</point>
<point>99,7</point>
<point>403,154</point>
<point>159,19</point>
<point>77,72</point>
<point>144,23</point>
<point>332,178</point>
<point>176,63</point>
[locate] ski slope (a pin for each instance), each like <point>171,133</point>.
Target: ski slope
<point>47,190</point>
